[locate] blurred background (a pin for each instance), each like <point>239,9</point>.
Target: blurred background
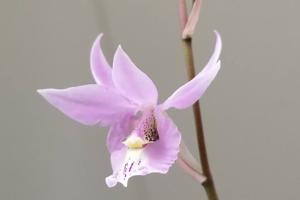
<point>250,112</point>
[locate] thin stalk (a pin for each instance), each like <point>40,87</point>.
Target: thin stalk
<point>189,60</point>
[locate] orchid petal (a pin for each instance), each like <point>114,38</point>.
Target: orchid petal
<point>127,163</point>
<point>156,157</point>
<point>101,70</point>
<point>88,104</point>
<point>131,81</point>
<point>163,152</point>
<point>118,132</point>
<point>190,92</point>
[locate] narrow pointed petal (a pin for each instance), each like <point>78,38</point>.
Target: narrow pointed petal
<point>190,92</point>
<point>131,81</point>
<point>156,157</point>
<point>88,104</point>
<point>182,13</point>
<point>101,70</point>
<point>192,20</point>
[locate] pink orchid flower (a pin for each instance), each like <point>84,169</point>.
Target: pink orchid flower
<point>142,139</point>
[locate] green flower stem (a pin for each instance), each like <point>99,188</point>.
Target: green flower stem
<point>189,60</point>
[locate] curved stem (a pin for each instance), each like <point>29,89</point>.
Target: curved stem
<point>189,59</point>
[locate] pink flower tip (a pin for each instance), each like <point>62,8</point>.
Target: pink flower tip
<point>192,20</point>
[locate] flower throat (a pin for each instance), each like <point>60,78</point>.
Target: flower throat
<point>144,133</point>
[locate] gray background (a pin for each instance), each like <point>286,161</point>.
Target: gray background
<point>251,111</point>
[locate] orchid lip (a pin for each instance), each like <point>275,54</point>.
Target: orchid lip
<point>134,142</point>
<point>145,131</point>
